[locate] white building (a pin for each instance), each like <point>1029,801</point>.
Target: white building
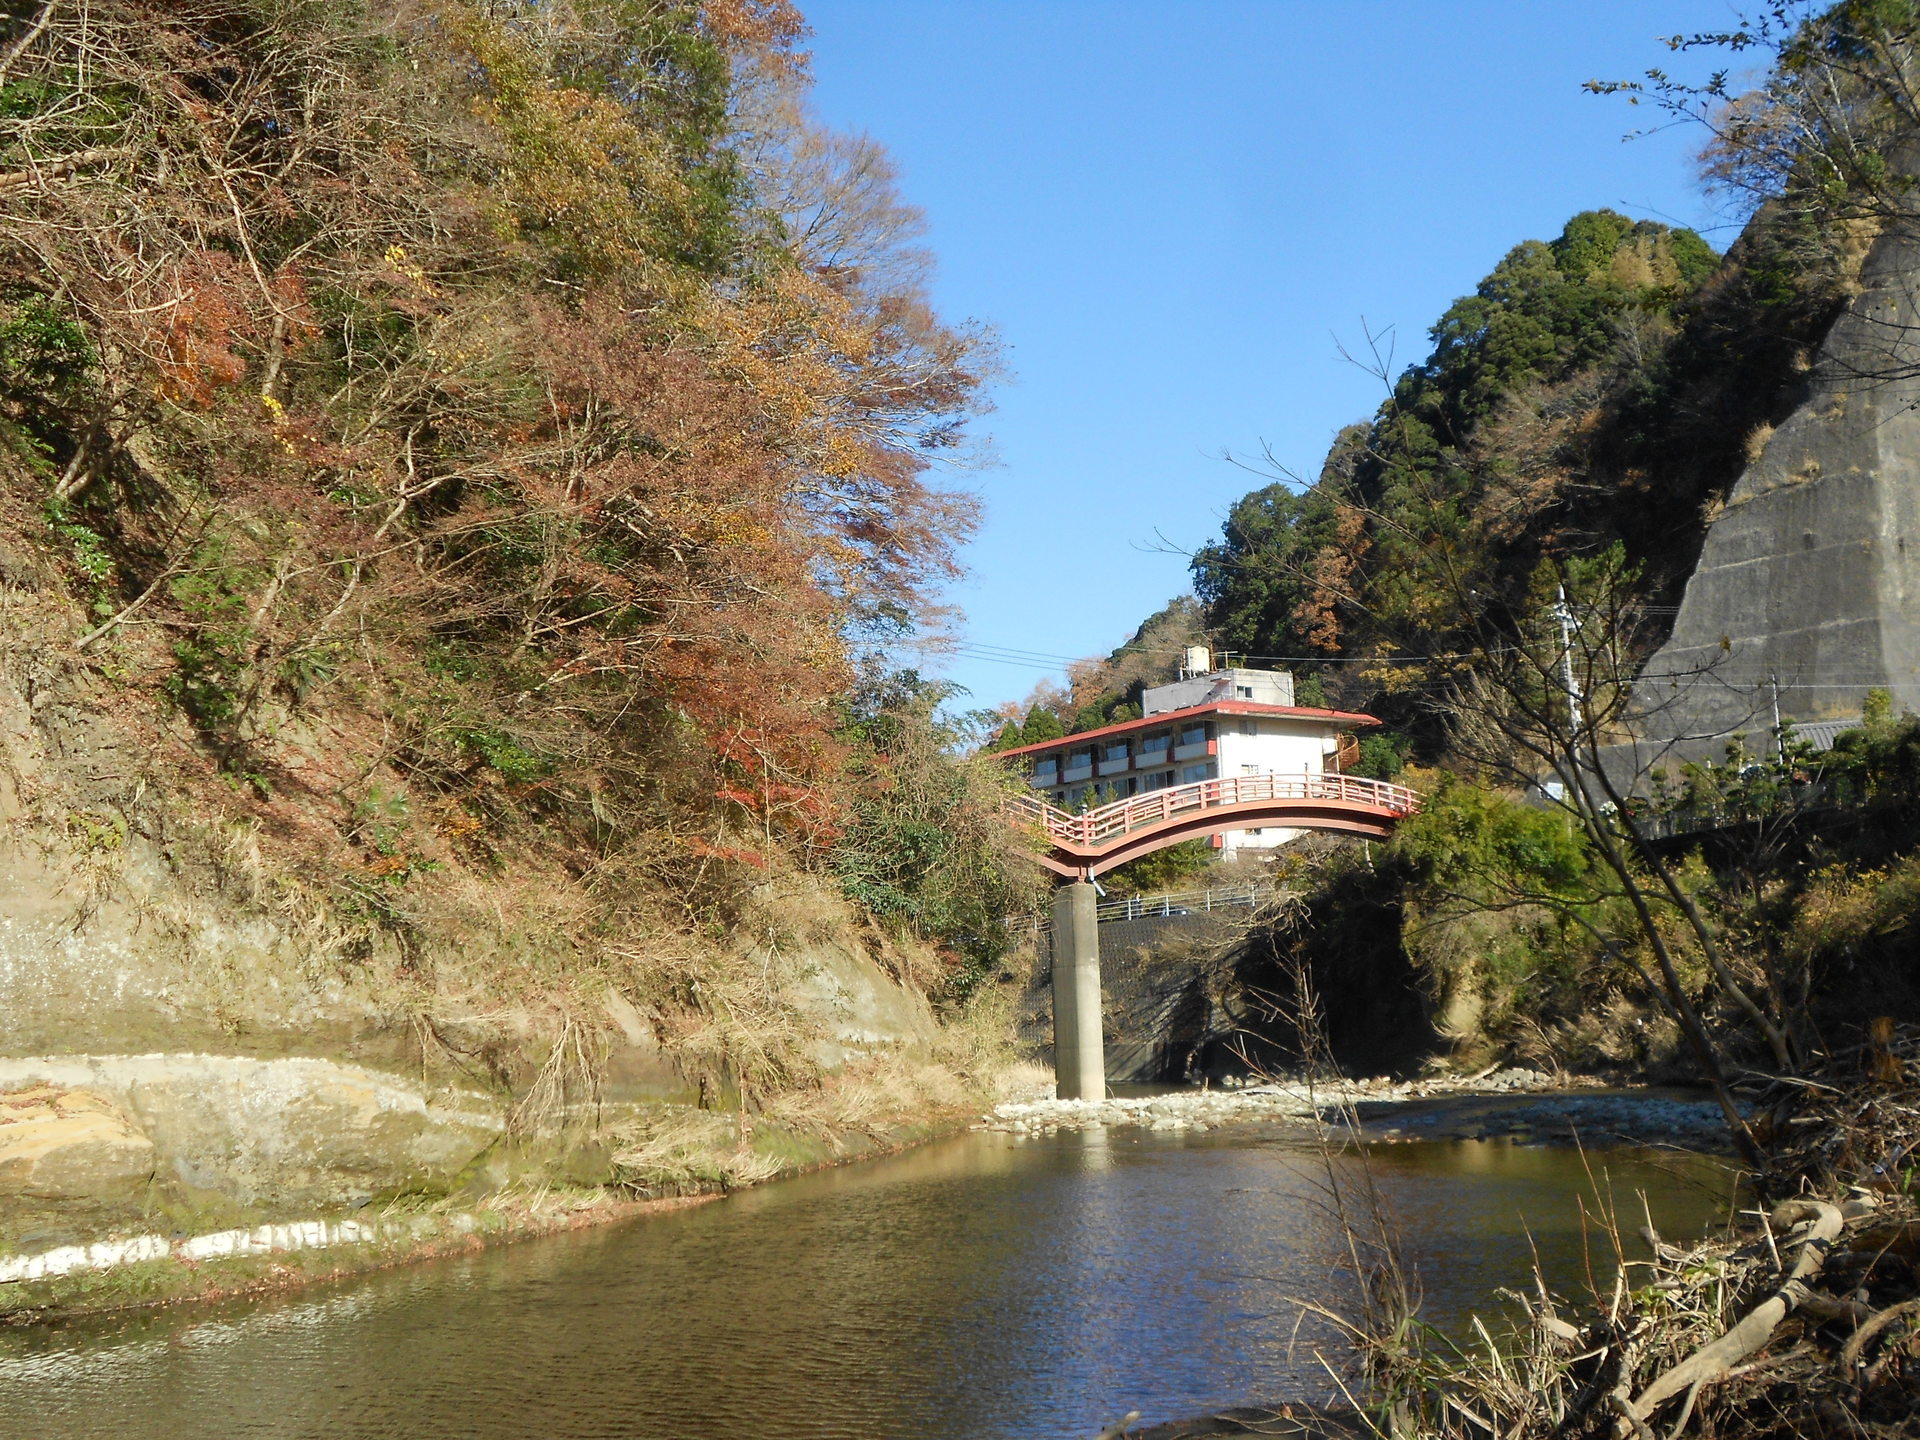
<point>1203,726</point>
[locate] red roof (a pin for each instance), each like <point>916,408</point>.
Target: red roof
<point>1340,719</point>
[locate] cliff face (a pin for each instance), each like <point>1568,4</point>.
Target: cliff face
<point>1809,579</point>
<point>189,1038</point>
<point>319,880</point>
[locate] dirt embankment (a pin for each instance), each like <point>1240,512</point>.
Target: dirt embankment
<point>211,1072</point>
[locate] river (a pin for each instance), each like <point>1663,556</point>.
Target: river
<point>982,1288</point>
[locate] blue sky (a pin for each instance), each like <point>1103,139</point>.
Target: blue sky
<point>1170,209</point>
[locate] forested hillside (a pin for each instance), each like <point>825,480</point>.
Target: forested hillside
<point>463,466</point>
<point>1602,388</point>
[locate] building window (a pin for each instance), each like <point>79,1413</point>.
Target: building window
<point>1159,780</point>
<point>1249,769</point>
<point>1154,745</point>
<point>1115,751</point>
<point>1044,770</point>
<point>1249,727</point>
<point>1194,735</point>
<point>1245,692</point>
<point>1191,773</point>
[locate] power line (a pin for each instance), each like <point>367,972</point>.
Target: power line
<point>981,650</point>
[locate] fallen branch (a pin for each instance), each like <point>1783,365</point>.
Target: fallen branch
<point>145,595</point>
<point>177,568</point>
<point>1713,1360</point>
<point>25,42</point>
<point>1857,1343</point>
<point>37,173</point>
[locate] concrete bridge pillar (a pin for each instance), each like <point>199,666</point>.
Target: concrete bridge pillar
<point>1079,1048</point>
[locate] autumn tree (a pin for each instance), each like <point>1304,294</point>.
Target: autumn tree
<point>536,385</point>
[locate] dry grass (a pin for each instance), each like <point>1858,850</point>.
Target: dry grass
<point>1802,1321</point>
<point>687,1152</point>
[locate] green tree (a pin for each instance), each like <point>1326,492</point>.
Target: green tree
<point>1382,756</point>
<point>1168,869</point>
<point>1465,456</point>
<point>928,852</point>
<point>1040,726</point>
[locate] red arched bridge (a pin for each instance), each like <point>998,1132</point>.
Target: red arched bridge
<point>1094,841</point>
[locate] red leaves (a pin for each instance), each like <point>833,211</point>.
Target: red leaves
<point>735,854</point>
<point>529,476</point>
<point>200,335</point>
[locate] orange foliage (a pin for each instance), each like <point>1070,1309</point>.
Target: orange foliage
<point>1333,575</point>
<point>199,332</point>
<point>497,378</point>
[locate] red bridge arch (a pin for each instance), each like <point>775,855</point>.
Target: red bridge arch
<point>1095,841</point>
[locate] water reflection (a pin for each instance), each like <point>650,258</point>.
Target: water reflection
<point>981,1288</point>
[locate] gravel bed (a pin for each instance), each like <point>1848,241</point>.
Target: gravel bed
<point>1193,1110</point>
<point>1500,1105</point>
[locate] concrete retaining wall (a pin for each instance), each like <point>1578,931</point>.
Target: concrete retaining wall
<point>1160,982</point>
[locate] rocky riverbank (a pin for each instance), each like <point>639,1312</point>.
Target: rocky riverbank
<point>89,1223</point>
<point>132,1270</point>
<point>1520,1105</point>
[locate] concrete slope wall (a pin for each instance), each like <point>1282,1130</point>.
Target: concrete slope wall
<point>1160,981</point>
<point>1811,574</point>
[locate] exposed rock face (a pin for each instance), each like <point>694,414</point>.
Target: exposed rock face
<point>1811,576</point>
<point>203,1040</point>
<point>63,1144</point>
<point>276,1132</point>
<point>859,1009</point>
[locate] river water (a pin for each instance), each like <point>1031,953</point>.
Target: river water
<point>981,1288</point>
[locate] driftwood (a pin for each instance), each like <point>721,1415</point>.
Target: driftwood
<point>45,170</point>
<point>1900,1238</point>
<point>1807,1324</point>
<point>1712,1361</point>
<point>1869,1329</point>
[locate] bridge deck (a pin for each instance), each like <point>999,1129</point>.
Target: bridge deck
<point>1085,845</point>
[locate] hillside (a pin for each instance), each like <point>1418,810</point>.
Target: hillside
<point>461,470</point>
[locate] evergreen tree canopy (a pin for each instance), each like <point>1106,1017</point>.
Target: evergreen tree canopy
<point>1519,371</point>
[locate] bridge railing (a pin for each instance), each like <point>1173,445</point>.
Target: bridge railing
<point>1108,822</point>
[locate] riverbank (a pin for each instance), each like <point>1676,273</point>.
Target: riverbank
<point>981,1287</point>
<point>132,1269</point>
<point>1795,1319</point>
<point>1525,1106</point>
<point>127,1271</point>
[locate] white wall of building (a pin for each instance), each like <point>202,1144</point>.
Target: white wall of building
<point>1207,747</point>
<point>1260,745</point>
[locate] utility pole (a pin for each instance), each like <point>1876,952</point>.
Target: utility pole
<point>1779,731</point>
<point>1564,615</point>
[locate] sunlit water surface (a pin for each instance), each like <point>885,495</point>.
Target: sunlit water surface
<point>979,1288</point>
